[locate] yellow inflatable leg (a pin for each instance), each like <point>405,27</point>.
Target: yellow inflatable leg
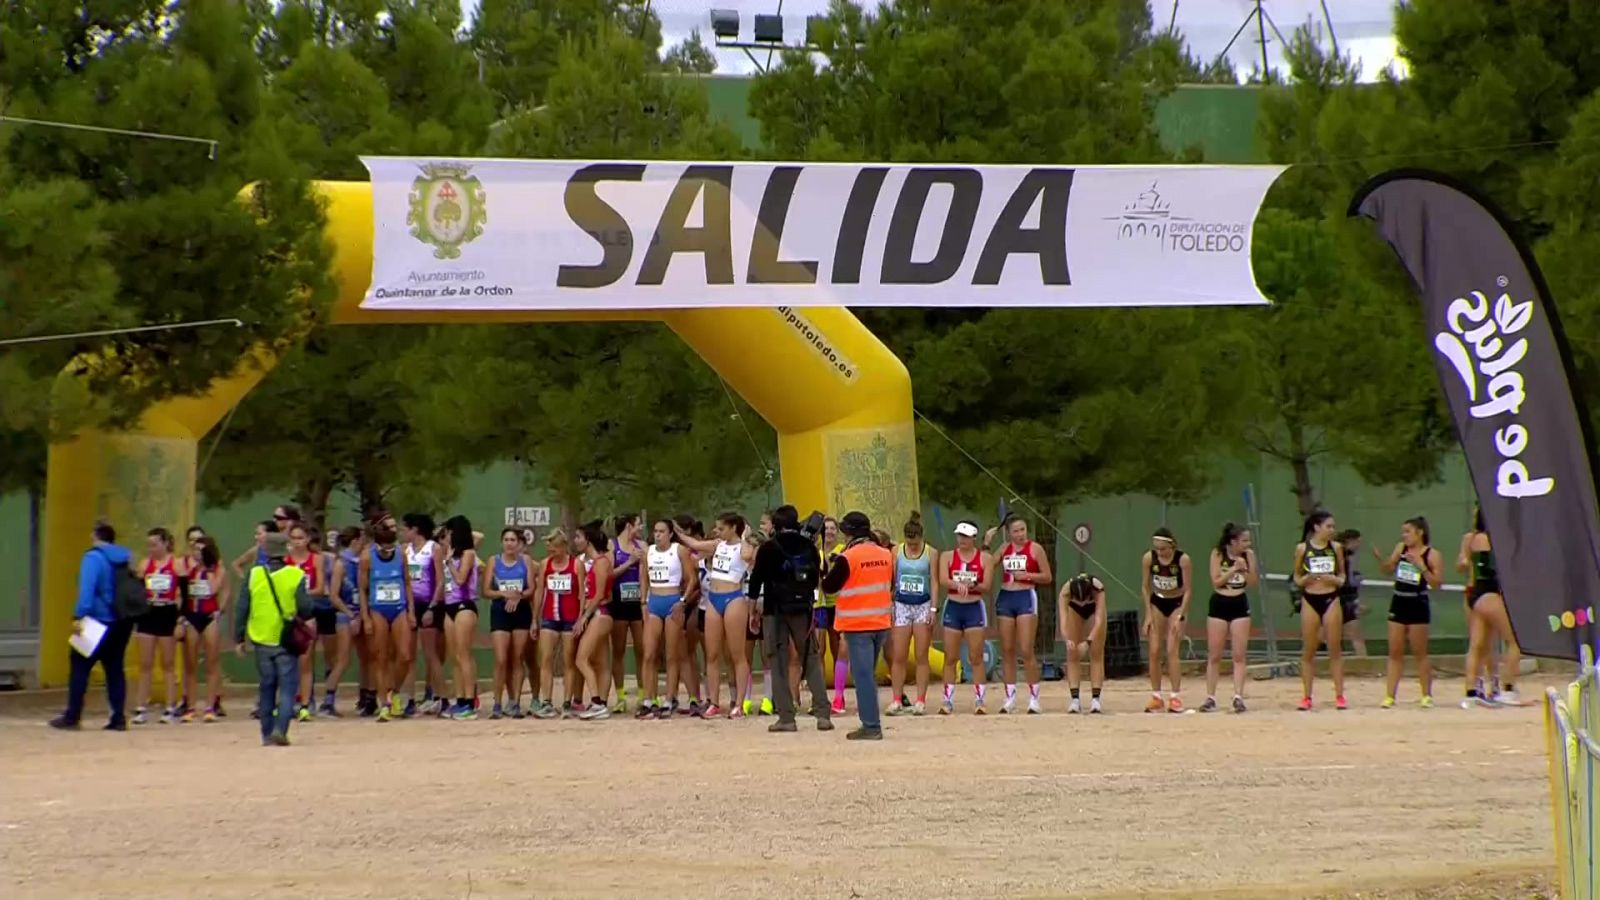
<point>935,666</point>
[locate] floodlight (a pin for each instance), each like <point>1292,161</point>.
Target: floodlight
<point>769,29</point>
<point>725,24</point>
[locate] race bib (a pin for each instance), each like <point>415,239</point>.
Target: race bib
<point>722,561</point>
<point>158,583</point>
<point>661,575</point>
<point>1015,563</point>
<point>560,583</point>
<point>1319,565</point>
<point>1408,572</point>
<point>415,570</point>
<point>913,584</point>
<point>1236,580</point>
<point>200,590</point>
<point>386,593</point>
<point>629,591</point>
<point>963,577</point>
<point>1164,582</point>
<point>514,585</point>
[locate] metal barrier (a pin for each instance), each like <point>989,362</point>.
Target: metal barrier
<point>1572,720</point>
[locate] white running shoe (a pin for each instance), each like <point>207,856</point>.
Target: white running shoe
<point>947,708</point>
<point>1009,706</point>
<point>1094,705</point>
<point>1506,698</point>
<point>595,711</point>
<point>1075,707</point>
<point>895,709</point>
<point>918,708</point>
<point>1034,708</point>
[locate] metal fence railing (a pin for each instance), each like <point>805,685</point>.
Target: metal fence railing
<point>1572,722</point>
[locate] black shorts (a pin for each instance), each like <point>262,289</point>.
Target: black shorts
<point>1410,610</point>
<point>1351,604</point>
<point>158,621</point>
<point>1320,603</point>
<point>327,621</point>
<point>1085,612</point>
<point>1228,608</point>
<point>199,621</point>
<point>420,610</point>
<point>519,620</point>
<point>1166,605</point>
<point>625,611</point>
<point>451,609</point>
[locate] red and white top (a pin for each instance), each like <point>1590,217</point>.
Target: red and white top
<point>161,581</point>
<point>1016,560</point>
<point>560,591</point>
<point>967,572</point>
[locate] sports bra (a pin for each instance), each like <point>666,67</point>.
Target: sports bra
<point>967,572</point>
<point>1166,579</point>
<point>728,563</point>
<point>1015,560</point>
<point>1236,579</point>
<point>665,567</point>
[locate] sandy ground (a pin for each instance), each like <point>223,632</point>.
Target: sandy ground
<point>1407,803</point>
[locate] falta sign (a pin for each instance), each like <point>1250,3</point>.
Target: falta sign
<point>476,234</point>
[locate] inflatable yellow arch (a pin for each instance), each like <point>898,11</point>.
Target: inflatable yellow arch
<point>838,398</point>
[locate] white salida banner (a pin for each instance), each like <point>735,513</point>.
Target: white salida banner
<point>480,234</point>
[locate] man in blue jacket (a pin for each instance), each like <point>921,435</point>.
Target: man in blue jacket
<point>97,601</point>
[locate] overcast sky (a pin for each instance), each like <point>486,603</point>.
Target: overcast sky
<point>1363,27</point>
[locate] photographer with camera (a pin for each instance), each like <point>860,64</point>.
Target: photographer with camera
<point>783,584</point>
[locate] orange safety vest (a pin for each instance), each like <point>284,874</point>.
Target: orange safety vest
<point>867,596</point>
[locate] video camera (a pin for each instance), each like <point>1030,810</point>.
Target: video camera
<point>812,525</point>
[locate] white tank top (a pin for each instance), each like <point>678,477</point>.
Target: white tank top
<point>727,562</point>
<point>666,568</point>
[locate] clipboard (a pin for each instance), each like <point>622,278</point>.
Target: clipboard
<point>87,637</point>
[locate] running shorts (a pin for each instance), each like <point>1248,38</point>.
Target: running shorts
<point>1412,610</point>
<point>158,621</point>
<point>1010,604</point>
<point>1166,605</point>
<point>1228,608</point>
<point>199,621</point>
<point>822,617</point>
<point>520,619</point>
<point>661,604</point>
<point>1321,603</point>
<point>451,609</point>
<point>912,614</point>
<point>965,616</point>
<point>327,625</point>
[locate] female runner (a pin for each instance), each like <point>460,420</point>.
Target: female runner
<point>824,619</point>
<point>556,596</point>
<point>670,568</point>
<point>1319,573</point>
<point>753,636</point>
<point>1350,592</point>
<point>1023,568</point>
<point>1416,567</point>
<point>627,608</point>
<point>334,617</point>
<point>155,629</point>
<point>510,591</point>
<point>915,601</point>
<point>461,614</point>
<point>1167,577</point>
<point>424,564</point>
<point>593,631</point>
<point>1084,630</point>
<point>383,587</point>
<point>690,671</point>
<point>966,574</point>
<point>350,635</point>
<point>1489,620</point>
<point>308,561</point>
<point>1233,571</point>
<point>728,620</point>
<point>256,555</point>
<point>208,584</point>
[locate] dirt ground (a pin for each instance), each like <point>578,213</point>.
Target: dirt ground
<point>1407,803</point>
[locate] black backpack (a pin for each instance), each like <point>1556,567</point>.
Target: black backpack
<point>128,599</point>
<point>802,568</point>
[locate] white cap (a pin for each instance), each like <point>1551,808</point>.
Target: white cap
<point>966,529</point>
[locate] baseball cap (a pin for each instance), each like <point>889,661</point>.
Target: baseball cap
<point>966,529</point>
<point>856,524</point>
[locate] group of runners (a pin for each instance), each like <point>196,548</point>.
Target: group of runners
<point>392,589</point>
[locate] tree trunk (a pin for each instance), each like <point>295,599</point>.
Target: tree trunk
<point>313,497</point>
<point>570,493</point>
<point>369,492</point>
<point>1300,464</point>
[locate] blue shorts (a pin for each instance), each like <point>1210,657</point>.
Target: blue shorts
<point>1011,604</point>
<point>721,602</point>
<point>389,613</point>
<point>660,605</point>
<point>557,627</point>
<point>965,616</point>
<point>822,617</point>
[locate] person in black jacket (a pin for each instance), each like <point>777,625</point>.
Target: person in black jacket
<point>783,583</point>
